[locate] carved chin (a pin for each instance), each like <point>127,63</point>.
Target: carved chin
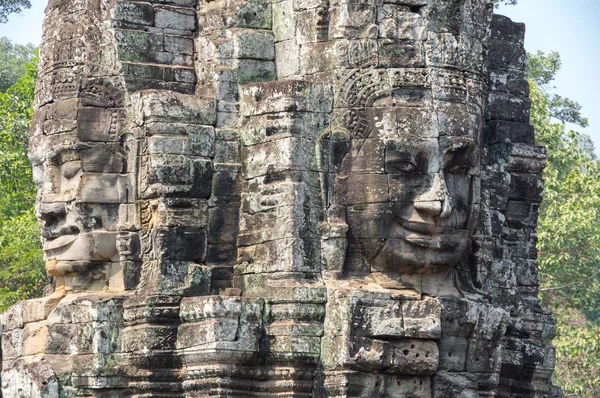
<point>92,246</point>
<point>419,255</point>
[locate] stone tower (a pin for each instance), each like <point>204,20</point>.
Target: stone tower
<point>283,198</point>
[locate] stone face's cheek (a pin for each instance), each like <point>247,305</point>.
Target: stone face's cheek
<point>459,186</point>
<point>404,189</point>
<point>370,220</point>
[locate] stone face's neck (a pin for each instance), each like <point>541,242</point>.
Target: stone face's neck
<point>292,198</point>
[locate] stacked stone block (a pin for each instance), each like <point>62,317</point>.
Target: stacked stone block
<point>504,245</point>
<point>155,43</point>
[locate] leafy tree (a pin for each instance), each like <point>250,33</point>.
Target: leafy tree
<point>8,7</point>
<point>22,270</point>
<point>569,224</point>
<point>568,229</point>
<point>22,273</point>
<point>16,110</point>
<point>13,58</point>
<point>507,2</point>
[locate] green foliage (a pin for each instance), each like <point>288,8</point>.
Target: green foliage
<point>577,353</point>
<point>542,71</point>
<point>568,229</point>
<point>8,7</point>
<point>543,68</point>
<point>16,110</point>
<point>507,2</point>
<point>13,59</point>
<point>22,273</point>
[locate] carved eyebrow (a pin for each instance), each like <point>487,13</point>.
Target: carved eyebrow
<point>410,146</point>
<point>65,153</point>
<point>397,155</point>
<point>415,152</point>
<point>460,155</point>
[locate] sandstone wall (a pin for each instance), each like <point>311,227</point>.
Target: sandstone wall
<point>297,198</point>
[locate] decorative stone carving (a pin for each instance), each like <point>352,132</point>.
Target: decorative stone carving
<point>294,198</point>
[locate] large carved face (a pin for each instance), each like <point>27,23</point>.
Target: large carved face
<point>80,176</point>
<point>409,182</point>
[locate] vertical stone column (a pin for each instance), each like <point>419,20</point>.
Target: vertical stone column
<point>279,239</point>
<point>504,249</point>
<point>234,46</point>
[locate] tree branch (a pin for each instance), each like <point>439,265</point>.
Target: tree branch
<point>570,284</point>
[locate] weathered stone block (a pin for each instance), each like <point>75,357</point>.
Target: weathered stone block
<point>138,13</point>
<point>499,131</point>
<point>503,28</point>
<point>526,187</point>
<point>281,255</point>
<point>148,337</point>
<point>422,319</point>
<point>254,45</point>
<point>255,71</point>
<point>196,309</point>
<point>179,243</point>
<point>285,21</point>
<point>453,353</point>
<point>507,55</point>
<point>285,154</point>
<point>415,357</point>
<point>195,334</point>
<point>287,96</point>
<point>508,107</point>
<point>288,51</point>
<point>168,106</point>
<point>223,224</point>
<point>307,31</point>
<point>225,184</point>
<point>34,338</point>
<point>175,18</point>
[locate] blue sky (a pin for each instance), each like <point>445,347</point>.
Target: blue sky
<point>570,27</point>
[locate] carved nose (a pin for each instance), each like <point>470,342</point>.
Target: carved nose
<point>436,201</point>
<point>50,216</point>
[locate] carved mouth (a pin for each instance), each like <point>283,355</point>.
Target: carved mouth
<point>420,228</point>
<point>59,242</point>
<point>430,236</point>
<point>53,240</point>
<point>431,242</point>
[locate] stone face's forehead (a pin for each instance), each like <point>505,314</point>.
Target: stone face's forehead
<point>426,102</point>
<point>360,87</point>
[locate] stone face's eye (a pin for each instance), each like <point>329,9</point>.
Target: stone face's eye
<point>459,169</point>
<point>399,160</point>
<point>405,167</point>
<point>459,160</point>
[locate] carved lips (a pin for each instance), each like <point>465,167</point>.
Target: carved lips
<point>53,244</point>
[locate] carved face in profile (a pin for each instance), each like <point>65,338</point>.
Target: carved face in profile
<point>80,187</point>
<point>409,182</point>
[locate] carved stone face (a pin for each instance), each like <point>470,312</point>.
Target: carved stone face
<point>80,187</point>
<point>410,186</point>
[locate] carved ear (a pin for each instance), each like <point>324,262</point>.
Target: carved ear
<point>334,146</point>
